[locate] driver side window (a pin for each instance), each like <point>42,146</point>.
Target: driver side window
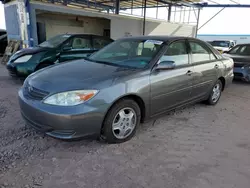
<point>176,52</point>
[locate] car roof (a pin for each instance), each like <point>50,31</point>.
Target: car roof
<point>224,40</point>
<point>84,34</point>
<point>160,37</point>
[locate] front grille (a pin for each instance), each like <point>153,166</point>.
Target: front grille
<point>34,93</point>
<point>236,74</point>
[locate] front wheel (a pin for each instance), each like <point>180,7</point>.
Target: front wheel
<point>121,121</point>
<point>215,93</point>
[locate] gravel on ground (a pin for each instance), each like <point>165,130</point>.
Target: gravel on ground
<point>196,147</point>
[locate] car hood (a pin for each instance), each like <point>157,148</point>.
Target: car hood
<point>73,75</point>
<point>29,51</point>
<point>239,58</point>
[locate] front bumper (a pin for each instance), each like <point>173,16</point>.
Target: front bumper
<point>20,69</point>
<point>241,74</point>
<point>62,122</point>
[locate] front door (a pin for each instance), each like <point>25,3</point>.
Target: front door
<point>206,68</point>
<point>171,88</point>
<point>79,47</point>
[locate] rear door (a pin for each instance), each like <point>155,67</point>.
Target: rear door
<point>206,68</point>
<point>171,88</point>
<point>78,47</point>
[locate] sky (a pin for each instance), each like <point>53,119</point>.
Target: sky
<point>229,21</point>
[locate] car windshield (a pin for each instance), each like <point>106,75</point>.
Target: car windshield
<point>54,41</point>
<point>128,53</point>
<point>220,43</point>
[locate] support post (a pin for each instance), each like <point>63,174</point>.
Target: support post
<point>144,16</point>
<point>117,6</point>
<point>174,13</point>
<point>132,6</point>
<point>29,26</point>
<point>189,11</point>
<point>157,10</point>
<point>184,15</point>
<point>169,12</point>
<point>198,20</point>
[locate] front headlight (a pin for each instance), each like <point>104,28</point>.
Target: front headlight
<point>23,59</point>
<point>70,98</point>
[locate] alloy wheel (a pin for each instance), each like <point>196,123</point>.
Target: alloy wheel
<point>216,93</point>
<point>124,123</point>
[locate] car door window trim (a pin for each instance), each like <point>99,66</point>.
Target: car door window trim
<point>206,48</point>
<point>166,47</point>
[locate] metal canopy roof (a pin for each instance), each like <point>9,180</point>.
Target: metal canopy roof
<point>124,4</point>
<point>135,4</point>
<point>100,5</point>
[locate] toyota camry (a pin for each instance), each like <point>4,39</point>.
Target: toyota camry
<point>127,82</point>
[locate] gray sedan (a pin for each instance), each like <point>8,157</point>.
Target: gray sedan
<point>125,83</point>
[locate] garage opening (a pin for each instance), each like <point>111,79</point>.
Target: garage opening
<point>50,24</point>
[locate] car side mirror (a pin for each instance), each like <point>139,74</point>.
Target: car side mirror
<point>166,65</point>
<point>66,48</point>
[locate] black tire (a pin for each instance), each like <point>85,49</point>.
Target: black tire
<point>210,100</point>
<point>41,66</point>
<point>107,133</point>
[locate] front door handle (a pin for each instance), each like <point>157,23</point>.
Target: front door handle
<point>189,72</point>
<point>216,66</point>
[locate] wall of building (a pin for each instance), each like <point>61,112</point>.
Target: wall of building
<point>60,19</point>
<point>239,39</point>
<point>120,25</point>
<point>172,29</point>
<point>124,26</point>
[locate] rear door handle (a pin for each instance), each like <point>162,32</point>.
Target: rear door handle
<point>189,72</point>
<point>216,66</point>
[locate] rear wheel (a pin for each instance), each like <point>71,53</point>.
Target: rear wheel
<point>121,121</point>
<point>215,93</point>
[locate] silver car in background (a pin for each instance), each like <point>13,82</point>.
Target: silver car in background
<point>127,82</point>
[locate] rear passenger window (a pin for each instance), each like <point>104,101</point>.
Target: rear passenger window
<point>176,52</point>
<point>199,53</point>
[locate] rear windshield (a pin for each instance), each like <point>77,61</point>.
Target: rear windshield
<point>220,43</point>
<point>54,41</point>
<point>240,50</point>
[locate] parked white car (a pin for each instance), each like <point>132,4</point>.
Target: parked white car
<point>223,45</point>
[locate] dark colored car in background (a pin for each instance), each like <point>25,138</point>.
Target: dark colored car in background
<point>130,80</point>
<point>241,56</point>
<point>3,41</point>
<point>58,49</point>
